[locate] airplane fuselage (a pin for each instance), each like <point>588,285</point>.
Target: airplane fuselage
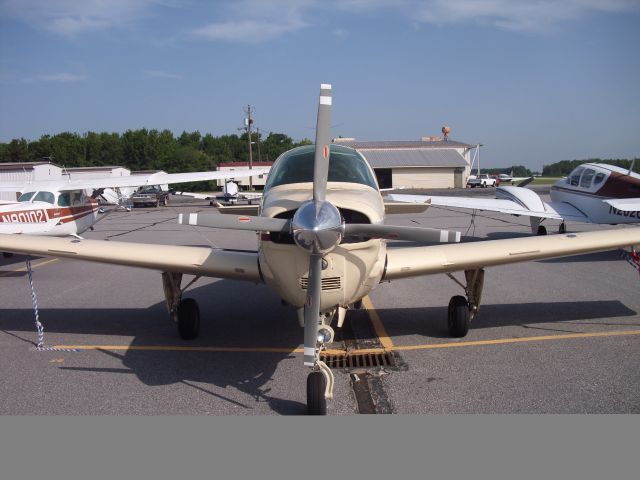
<point>589,185</point>
<point>44,218</point>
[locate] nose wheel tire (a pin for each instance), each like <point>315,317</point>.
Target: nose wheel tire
<point>458,316</point>
<point>316,401</point>
<point>188,319</point>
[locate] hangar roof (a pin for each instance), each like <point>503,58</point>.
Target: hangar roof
<point>401,144</point>
<point>414,157</point>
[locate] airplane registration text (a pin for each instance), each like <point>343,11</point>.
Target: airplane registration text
<point>30,216</point>
<point>615,211</point>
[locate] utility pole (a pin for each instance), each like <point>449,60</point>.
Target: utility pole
<point>248,121</point>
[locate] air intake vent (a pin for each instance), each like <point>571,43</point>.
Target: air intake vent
<point>328,283</point>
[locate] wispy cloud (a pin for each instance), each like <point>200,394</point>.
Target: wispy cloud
<point>72,17</point>
<point>61,77</point>
<point>161,74</point>
<point>517,15</point>
<point>254,21</point>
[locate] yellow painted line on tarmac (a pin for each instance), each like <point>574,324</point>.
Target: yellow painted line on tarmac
<point>33,265</point>
<point>381,332</point>
<point>501,341</point>
<point>181,348</point>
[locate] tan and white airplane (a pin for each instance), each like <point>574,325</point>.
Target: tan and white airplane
<point>63,207</point>
<point>322,247</point>
<point>591,193</point>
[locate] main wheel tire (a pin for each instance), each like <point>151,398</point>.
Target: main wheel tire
<point>316,385</point>
<point>157,204</point>
<point>542,230</point>
<point>165,201</point>
<point>458,316</point>
<point>188,319</point>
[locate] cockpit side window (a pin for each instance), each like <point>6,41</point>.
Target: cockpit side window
<point>45,197</point>
<point>587,177</point>
<point>76,198</point>
<point>598,179</point>
<point>574,178</point>
<point>64,200</point>
<point>25,197</point>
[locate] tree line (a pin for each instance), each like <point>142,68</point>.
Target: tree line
<point>147,149</point>
<point>191,151</point>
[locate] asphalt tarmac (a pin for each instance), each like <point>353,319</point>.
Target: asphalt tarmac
<point>553,336</point>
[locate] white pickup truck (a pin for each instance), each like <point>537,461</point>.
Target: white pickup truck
<point>483,180</point>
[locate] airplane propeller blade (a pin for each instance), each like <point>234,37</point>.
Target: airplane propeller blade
<point>312,308</point>
<point>236,222</point>
<point>391,232</point>
<point>323,139</point>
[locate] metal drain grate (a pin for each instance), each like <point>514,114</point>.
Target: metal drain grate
<point>359,360</point>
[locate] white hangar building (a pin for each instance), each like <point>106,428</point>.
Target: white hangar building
<point>25,172</point>
<point>427,163</point>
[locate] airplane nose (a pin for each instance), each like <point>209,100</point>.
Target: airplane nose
<point>317,230</point>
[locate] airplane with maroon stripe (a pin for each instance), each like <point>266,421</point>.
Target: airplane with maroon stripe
<point>592,193</point>
<point>61,208</point>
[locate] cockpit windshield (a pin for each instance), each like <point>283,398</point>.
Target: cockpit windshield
<point>25,197</point>
<point>345,165</point>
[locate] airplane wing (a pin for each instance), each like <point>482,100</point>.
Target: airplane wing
<point>553,210</point>
<point>209,262</point>
<point>478,203</point>
<point>199,196</point>
<point>624,204</point>
<point>132,181</point>
<point>403,262</point>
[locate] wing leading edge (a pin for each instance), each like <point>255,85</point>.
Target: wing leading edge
<point>132,181</point>
<point>406,262</point>
<point>553,210</point>
<point>204,261</point>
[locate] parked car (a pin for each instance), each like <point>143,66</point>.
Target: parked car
<point>483,180</point>
<point>152,196</point>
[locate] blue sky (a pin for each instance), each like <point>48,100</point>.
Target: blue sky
<point>535,82</point>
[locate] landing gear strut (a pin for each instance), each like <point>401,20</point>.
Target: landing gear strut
<point>321,380</point>
<point>185,312</point>
<point>462,310</point>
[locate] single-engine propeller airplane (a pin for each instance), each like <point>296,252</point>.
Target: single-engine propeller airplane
<point>63,207</point>
<point>322,246</point>
<point>591,193</point>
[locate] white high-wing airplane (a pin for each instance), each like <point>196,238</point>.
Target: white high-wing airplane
<point>230,194</point>
<point>63,207</point>
<point>322,248</point>
<point>591,193</point>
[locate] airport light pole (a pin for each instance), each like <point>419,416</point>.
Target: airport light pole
<point>248,122</point>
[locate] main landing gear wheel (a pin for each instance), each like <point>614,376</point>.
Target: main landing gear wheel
<point>458,319</point>
<point>188,319</point>
<point>316,401</point>
<point>562,228</point>
<point>542,230</point>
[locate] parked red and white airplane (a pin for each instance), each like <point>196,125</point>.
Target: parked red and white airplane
<point>591,193</point>
<point>64,207</point>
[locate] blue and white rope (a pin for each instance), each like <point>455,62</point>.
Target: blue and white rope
<point>34,298</point>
